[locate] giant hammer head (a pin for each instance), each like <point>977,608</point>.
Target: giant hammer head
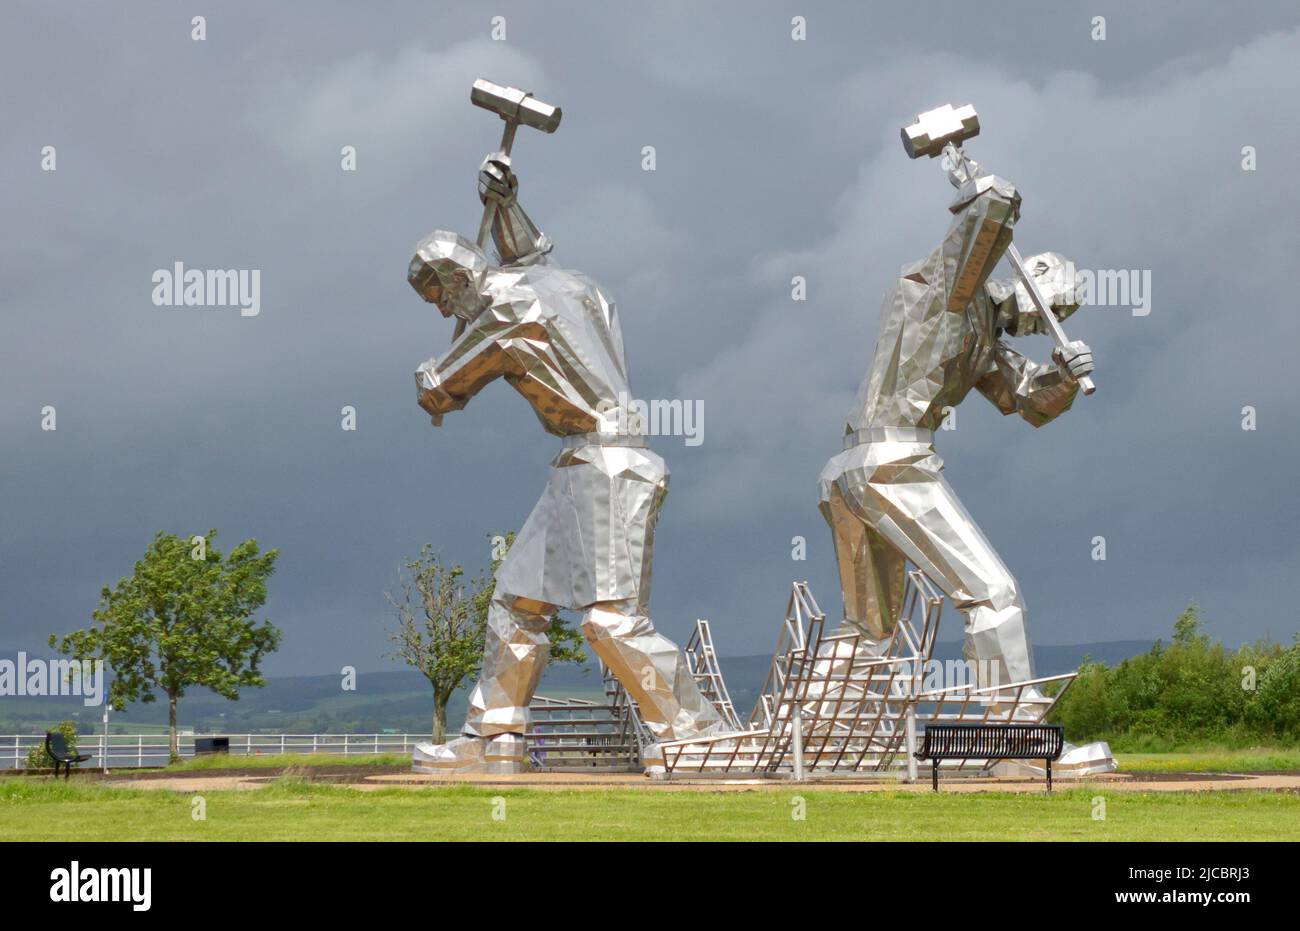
<point>934,129</point>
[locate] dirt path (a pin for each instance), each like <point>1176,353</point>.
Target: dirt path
<point>372,778</point>
<point>189,784</point>
<point>1124,782</point>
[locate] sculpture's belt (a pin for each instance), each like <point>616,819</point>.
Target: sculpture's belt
<point>575,440</point>
<point>887,435</point>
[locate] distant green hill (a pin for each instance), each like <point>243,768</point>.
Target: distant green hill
<point>400,700</point>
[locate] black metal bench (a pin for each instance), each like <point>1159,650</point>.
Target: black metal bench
<point>992,742</point>
<point>56,745</point>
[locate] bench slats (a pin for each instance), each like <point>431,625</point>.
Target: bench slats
<point>992,742</point>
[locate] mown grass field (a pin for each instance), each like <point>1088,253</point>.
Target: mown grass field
<point>290,809</point>
<point>1254,760</point>
<point>219,761</point>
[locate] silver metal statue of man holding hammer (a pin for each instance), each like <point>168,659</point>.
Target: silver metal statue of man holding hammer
<point>553,334</point>
<point>943,332</point>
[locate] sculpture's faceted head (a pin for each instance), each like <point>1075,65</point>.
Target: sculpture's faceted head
<point>450,271</point>
<point>1055,277</point>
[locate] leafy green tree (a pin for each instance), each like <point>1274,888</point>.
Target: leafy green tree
<point>1088,706</point>
<point>442,623</point>
<point>184,618</point>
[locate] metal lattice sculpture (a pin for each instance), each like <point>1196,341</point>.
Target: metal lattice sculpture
<point>830,705</point>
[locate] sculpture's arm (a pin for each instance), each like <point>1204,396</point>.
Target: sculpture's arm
<point>984,212</point>
<point>1036,391</point>
<point>446,383</point>
<point>517,238</point>
<point>1017,314</point>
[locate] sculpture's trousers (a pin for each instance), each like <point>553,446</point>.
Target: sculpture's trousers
<point>648,664</point>
<point>588,545</point>
<point>886,501</point>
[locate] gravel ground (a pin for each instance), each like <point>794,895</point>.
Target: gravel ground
<point>380,777</point>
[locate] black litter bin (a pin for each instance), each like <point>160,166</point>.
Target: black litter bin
<point>211,745</point>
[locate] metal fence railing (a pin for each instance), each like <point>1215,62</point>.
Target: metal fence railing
<point>140,750</point>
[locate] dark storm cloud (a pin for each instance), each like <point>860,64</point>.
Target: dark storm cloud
<point>774,158</point>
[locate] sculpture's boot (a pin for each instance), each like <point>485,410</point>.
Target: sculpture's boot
<point>1075,762</point>
<point>502,754</point>
<point>1087,760</point>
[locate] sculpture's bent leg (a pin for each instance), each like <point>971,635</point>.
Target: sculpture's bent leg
<point>515,651</point>
<point>502,754</point>
<point>896,495</point>
<point>898,491</point>
<point>514,655</point>
<point>651,668</point>
<point>872,570</point>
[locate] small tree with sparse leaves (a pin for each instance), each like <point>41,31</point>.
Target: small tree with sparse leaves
<point>442,624</point>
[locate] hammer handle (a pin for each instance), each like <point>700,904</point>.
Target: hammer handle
<point>489,210</point>
<point>1049,318</point>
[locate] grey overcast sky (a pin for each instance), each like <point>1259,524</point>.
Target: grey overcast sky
<point>775,158</point>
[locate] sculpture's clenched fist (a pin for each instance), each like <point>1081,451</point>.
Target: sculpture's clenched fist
<point>961,170</point>
<point>1076,358</point>
<point>496,181</point>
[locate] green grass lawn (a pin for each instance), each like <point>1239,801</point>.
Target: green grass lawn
<point>1255,760</point>
<point>220,761</point>
<point>293,810</point>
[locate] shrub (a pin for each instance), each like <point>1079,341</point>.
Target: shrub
<point>1277,701</point>
<point>1187,691</point>
<point>38,758</point>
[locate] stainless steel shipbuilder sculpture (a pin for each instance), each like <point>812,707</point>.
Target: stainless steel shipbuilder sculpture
<point>553,334</point>
<point>944,332</point>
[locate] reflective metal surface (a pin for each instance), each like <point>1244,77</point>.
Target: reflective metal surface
<point>553,335</point>
<point>943,332</point>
